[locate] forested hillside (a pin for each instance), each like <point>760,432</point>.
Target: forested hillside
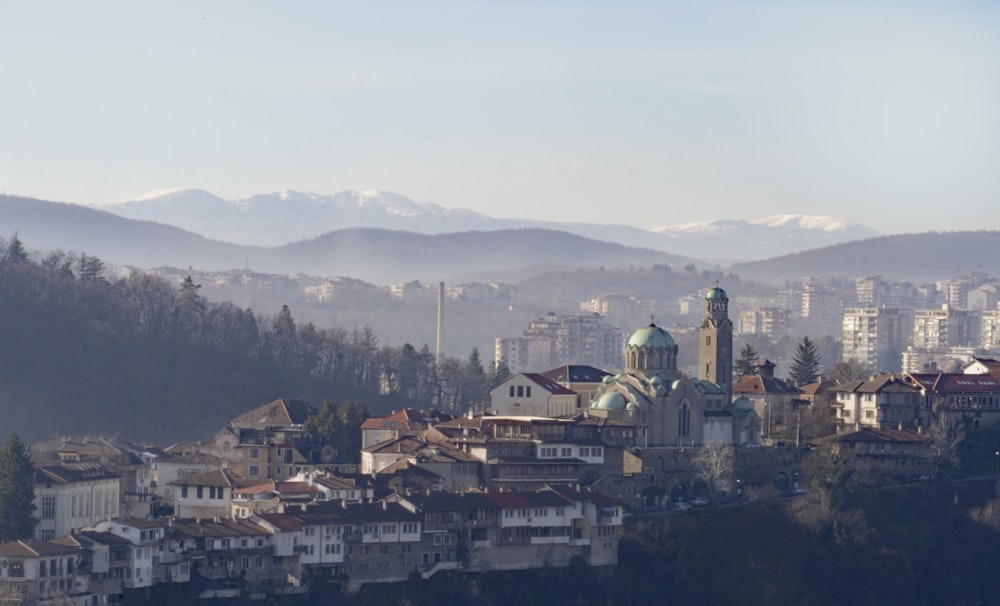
<point>155,361</point>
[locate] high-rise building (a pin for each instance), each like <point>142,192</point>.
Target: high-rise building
<point>941,328</point>
<point>553,340</point>
<point>770,322</point>
<point>874,337</point>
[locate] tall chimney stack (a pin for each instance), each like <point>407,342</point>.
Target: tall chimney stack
<point>440,325</point>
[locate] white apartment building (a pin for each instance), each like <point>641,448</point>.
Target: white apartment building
<point>70,496</point>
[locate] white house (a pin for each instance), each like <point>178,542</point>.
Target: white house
<point>533,394</point>
<point>70,496</point>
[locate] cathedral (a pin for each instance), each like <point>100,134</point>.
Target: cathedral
<point>669,408</point>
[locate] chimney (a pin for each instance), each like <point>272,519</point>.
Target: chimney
<point>440,325</point>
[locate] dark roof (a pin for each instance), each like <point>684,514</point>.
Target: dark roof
<point>278,414</point>
<point>70,473</point>
<point>871,434</point>
<point>956,382</point>
<point>576,373</point>
<point>439,501</point>
<point>226,527</point>
<point>216,477</point>
<point>32,548</point>
<point>406,420</point>
<point>548,384</point>
<point>750,384</point>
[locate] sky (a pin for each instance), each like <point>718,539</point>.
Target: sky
<point>646,113</point>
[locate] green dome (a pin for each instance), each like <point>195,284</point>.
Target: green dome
<point>652,337</point>
<point>716,294</point>
<point>608,380</point>
<point>742,405</point>
<point>610,401</point>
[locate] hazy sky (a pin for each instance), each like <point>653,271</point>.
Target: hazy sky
<point>645,113</point>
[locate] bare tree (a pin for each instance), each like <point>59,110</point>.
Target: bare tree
<point>714,463</point>
<point>945,433</point>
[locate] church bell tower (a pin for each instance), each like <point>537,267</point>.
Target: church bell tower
<point>715,352</point>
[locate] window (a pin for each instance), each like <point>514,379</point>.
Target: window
<point>708,341</point>
<point>869,414</point>
<point>520,391</point>
<point>16,568</point>
<point>512,391</point>
<point>254,470</point>
<point>567,452</point>
<point>201,491</point>
<point>48,508</point>
<point>585,452</point>
<point>254,453</point>
<point>527,391</point>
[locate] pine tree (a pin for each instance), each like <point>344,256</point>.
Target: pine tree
<point>746,364</point>
<point>15,251</point>
<point>17,491</point>
<point>805,364</point>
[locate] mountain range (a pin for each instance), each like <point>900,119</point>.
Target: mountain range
<point>278,218</point>
<point>384,256</point>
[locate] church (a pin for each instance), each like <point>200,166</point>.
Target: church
<point>669,408</point>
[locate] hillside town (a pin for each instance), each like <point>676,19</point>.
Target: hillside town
<point>545,476</point>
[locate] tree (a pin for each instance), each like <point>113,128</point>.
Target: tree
<point>474,380</point>
<point>945,433</point>
<point>805,364</point>
<point>15,252</point>
<point>714,463</point>
<point>17,491</point>
<point>848,371</point>
<point>90,269</point>
<point>746,364</point>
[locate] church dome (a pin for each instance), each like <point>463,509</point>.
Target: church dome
<point>651,337</point>
<point>716,294</point>
<point>742,405</point>
<point>610,401</point>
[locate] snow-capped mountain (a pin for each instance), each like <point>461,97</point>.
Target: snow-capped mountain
<point>278,218</point>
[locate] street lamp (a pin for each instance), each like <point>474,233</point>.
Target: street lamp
<point>997,453</point>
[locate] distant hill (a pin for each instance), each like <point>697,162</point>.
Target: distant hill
<point>917,258</point>
<point>278,218</point>
<point>376,255</point>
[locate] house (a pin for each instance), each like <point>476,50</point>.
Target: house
<point>33,571</point>
<point>70,496</point>
<point>225,554</point>
<point>890,453</point>
<point>884,401</point>
<point>533,394</point>
<point>774,401</point>
<point>274,442</point>
<point>206,494</point>
<point>585,380</point>
<point>104,560</point>
<point>116,456</point>
<point>272,496</point>
<point>401,423</point>
<point>976,396</point>
<point>146,542</point>
<point>527,452</point>
<point>461,469</point>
